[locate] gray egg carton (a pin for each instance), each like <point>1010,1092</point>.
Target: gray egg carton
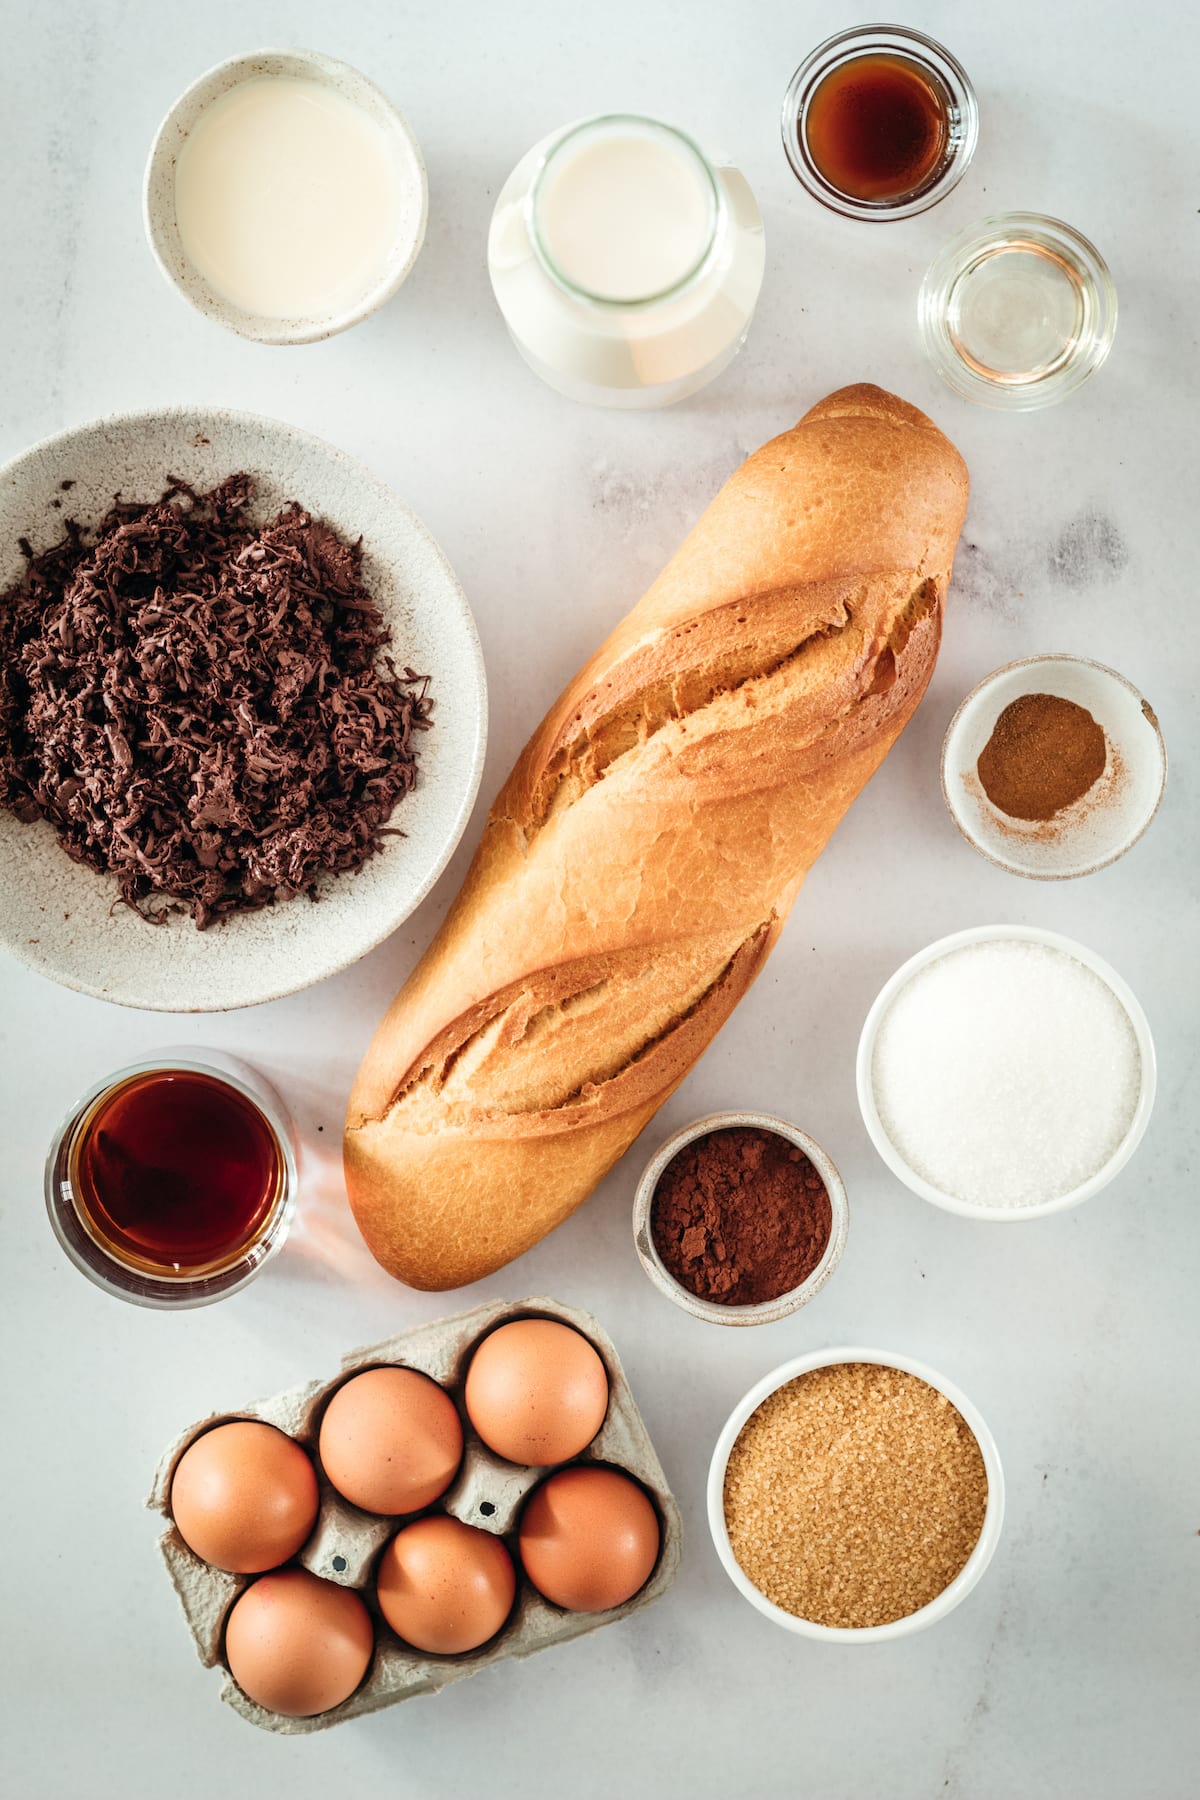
<point>487,1492</point>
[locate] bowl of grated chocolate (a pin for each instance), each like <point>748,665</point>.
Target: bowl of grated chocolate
<point>242,709</point>
<point>855,1496</point>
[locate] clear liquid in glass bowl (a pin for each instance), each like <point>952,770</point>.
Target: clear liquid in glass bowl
<point>1018,311</point>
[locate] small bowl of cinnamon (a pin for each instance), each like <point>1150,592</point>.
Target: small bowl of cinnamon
<point>1053,767</point>
<point>740,1218</point>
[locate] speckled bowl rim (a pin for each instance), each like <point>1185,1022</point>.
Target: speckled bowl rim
<point>968,1576</point>
<point>766,1312</point>
<point>162,232</point>
<point>1051,659</point>
<point>988,934</point>
<point>454,828</point>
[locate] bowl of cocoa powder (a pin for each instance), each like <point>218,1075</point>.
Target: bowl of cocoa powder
<point>1053,767</point>
<point>740,1218</point>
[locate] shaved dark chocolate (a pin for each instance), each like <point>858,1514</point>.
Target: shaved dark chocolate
<point>202,706</point>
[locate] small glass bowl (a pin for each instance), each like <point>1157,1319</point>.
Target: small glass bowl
<point>172,1293</point>
<point>1069,353</point>
<point>933,60</point>
<point>766,1311</point>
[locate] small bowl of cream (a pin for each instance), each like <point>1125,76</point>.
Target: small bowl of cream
<point>285,196</point>
<point>1006,1072</point>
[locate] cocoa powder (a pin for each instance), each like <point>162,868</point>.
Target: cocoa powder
<point>1044,754</point>
<point>740,1216</point>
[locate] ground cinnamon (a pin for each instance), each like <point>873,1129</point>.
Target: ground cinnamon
<point>740,1216</point>
<point>1043,755</point>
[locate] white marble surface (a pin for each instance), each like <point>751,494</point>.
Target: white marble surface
<point>1072,1669</point>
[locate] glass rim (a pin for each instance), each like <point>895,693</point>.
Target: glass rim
<point>927,54</point>
<point>949,265</point>
<point>534,197</point>
<point>173,1292</point>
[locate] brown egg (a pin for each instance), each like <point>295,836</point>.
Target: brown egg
<point>244,1497</point>
<point>589,1539</point>
<point>391,1441</point>
<point>536,1391</point>
<point>297,1644</point>
<point>445,1586</point>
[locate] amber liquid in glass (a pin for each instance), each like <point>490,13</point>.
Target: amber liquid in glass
<point>175,1172</point>
<point>877,127</point>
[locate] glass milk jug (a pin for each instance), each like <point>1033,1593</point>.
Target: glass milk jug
<point>626,265</point>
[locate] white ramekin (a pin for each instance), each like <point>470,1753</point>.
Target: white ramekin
<point>985,934</point>
<point>766,1311</point>
<point>158,200</point>
<point>1105,823</point>
<point>968,1575</point>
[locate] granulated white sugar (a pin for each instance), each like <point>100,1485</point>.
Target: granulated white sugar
<point>1006,1073</point>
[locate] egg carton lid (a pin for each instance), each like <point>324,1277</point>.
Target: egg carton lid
<point>487,1492</point>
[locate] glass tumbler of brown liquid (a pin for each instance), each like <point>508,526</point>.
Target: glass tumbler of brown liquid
<point>880,122</point>
<point>171,1182</point>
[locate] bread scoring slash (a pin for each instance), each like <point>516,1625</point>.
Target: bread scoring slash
<point>640,861</point>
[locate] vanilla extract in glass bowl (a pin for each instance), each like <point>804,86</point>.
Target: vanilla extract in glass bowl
<point>172,1181</point>
<point>879,122</point>
<point>1018,311</point>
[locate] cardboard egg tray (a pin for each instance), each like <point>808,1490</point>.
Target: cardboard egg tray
<point>487,1492</point>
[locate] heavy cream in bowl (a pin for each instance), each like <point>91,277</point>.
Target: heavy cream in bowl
<point>1006,1072</point>
<point>285,196</point>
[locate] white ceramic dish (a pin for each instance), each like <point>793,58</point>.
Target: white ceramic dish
<point>1102,826</point>
<point>162,229</point>
<point>972,1569</point>
<point>982,934</point>
<point>58,917</point>
<point>767,1311</point>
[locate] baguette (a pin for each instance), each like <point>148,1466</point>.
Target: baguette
<point>639,862</point>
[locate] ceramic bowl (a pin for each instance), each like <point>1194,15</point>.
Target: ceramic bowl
<point>1097,829</point>
<point>767,1311</point>
<point>162,229</point>
<point>864,1076</point>
<point>57,916</point>
<point>967,1577</point>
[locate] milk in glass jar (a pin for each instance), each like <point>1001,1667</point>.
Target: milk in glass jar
<point>626,264</point>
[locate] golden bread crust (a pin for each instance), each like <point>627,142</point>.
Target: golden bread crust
<point>639,862</point>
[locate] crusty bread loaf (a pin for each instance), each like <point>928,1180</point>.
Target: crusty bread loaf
<point>640,860</point>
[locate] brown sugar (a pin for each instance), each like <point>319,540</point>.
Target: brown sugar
<point>854,1495</point>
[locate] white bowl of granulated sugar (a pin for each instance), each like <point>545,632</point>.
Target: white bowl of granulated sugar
<point>1005,1073</point>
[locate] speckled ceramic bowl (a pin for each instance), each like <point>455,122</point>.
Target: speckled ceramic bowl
<point>159,193</point>
<point>1111,816</point>
<point>58,917</point>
